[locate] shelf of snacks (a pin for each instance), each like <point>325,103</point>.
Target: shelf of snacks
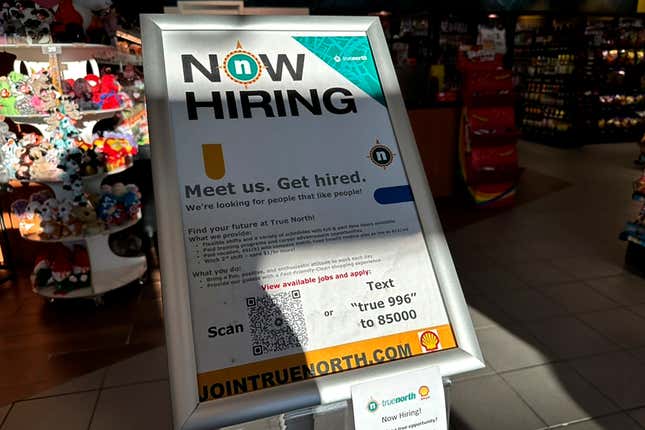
<point>613,77</point>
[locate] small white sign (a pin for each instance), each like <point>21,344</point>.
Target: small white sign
<point>411,401</point>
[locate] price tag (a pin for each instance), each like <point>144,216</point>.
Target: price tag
<point>412,401</point>
<point>51,49</point>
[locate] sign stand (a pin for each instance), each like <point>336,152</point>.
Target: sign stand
<point>301,252</point>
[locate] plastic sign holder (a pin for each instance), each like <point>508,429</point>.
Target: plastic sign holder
<point>301,251</point>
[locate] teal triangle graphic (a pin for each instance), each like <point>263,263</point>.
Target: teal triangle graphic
<point>350,56</point>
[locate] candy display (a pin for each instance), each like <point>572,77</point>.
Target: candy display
<point>488,157</point>
<point>63,269</point>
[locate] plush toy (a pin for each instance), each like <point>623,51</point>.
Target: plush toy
<point>109,89</point>
<point>68,23</point>
<point>51,227</point>
<point>66,218</point>
<point>42,273</point>
<point>61,268</point>
<point>132,201</point>
<point>41,81</point>
<point>70,109</point>
<point>7,98</point>
<point>110,209</point>
<point>30,150</point>
<point>81,266</point>
<point>22,90</point>
<point>86,216</point>
<point>28,214</point>
<point>117,148</point>
<point>105,205</point>
<point>68,88</point>
<point>44,101</point>
<point>104,21</point>
<point>9,153</point>
<point>91,162</point>
<point>44,169</point>
<point>45,97</point>
<point>94,82</point>
<point>27,20</point>
<point>83,95</point>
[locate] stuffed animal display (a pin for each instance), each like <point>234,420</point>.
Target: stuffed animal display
<point>64,269</point>
<point>35,94</point>
<point>64,155</point>
<point>119,204</point>
<point>46,218</point>
<point>26,21</point>
<point>47,21</point>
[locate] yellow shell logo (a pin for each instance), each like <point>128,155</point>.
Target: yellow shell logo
<point>424,391</point>
<point>429,341</point>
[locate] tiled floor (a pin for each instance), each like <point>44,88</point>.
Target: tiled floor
<point>560,321</point>
<point>43,345</point>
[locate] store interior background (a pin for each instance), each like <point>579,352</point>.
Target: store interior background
<point>547,246</point>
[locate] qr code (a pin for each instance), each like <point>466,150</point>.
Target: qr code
<point>277,322</point>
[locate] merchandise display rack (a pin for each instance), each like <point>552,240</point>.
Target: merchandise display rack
<point>488,136</point>
<point>545,72</point>
<point>634,231</point>
<point>108,271</point>
<point>613,89</point>
<point>572,96</point>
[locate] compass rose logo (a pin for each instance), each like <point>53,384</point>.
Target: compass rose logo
<point>242,66</point>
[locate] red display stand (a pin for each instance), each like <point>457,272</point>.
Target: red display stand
<point>487,133</point>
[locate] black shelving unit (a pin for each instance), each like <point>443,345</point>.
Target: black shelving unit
<point>546,68</point>
<point>613,81</point>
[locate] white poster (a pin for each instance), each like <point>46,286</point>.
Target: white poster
<point>304,248</point>
<point>411,401</point>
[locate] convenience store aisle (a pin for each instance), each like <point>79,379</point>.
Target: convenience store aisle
<point>561,324</point>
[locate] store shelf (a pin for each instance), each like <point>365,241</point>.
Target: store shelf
<point>121,58</point>
<point>88,115</point>
<point>106,232</point>
<point>92,178</point>
<point>124,271</point>
<point>130,270</point>
<point>68,51</point>
<point>50,292</point>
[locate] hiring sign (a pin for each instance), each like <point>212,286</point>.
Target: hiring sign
<point>300,250</point>
<point>414,400</point>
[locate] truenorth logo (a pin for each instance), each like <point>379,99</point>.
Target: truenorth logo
<point>245,68</point>
<point>242,66</point>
